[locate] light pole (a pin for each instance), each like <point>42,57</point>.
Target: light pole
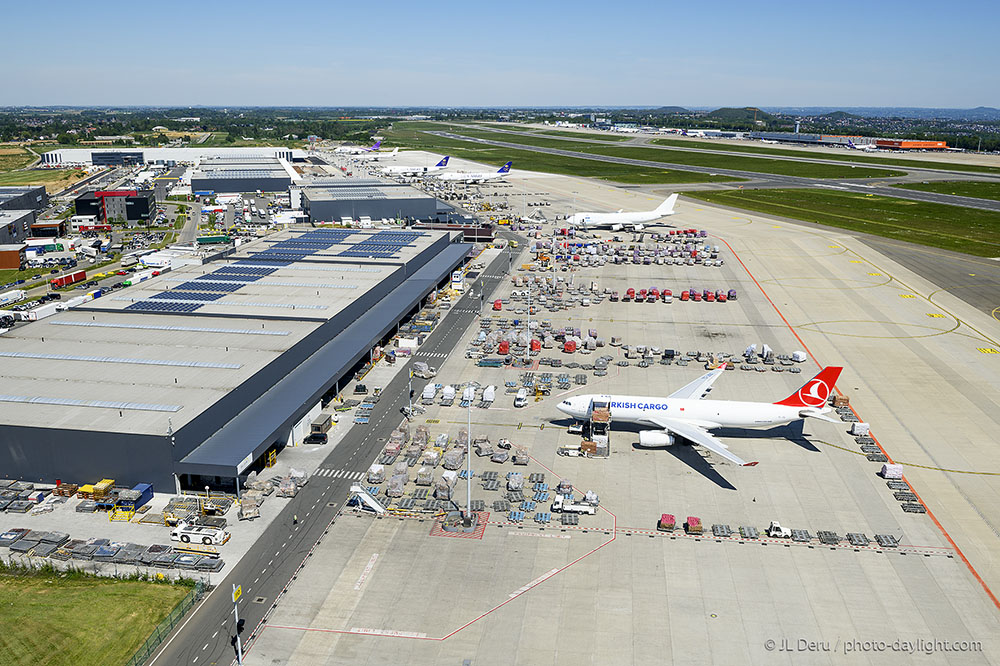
<point>237,592</point>
<point>468,471</point>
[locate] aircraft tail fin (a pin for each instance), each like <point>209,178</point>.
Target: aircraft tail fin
<point>667,207</point>
<point>505,168</point>
<point>444,162</point>
<point>395,151</point>
<point>378,144</point>
<point>815,392</point>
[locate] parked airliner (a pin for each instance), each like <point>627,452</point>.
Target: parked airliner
<point>684,416</point>
<point>480,177</point>
<point>619,220</point>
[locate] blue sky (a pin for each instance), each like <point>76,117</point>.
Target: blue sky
<point>514,53</point>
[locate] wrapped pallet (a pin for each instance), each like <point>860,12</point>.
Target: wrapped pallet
<point>396,485</point>
<point>425,476</point>
<point>463,438</point>
<point>401,469</point>
<point>520,456</point>
<point>441,441</point>
<point>376,473</point>
<point>421,436</point>
<point>453,459</point>
<point>515,481</point>
<point>431,457</point>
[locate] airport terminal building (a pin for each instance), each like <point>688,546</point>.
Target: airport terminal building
<point>190,378</point>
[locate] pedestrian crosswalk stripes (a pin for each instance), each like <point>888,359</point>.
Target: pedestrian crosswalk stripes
<point>432,354</point>
<point>339,474</point>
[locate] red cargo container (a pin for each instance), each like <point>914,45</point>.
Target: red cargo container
<point>504,348</point>
<point>685,295</point>
<point>68,279</point>
<point>696,296</point>
<point>667,523</point>
<point>629,294</point>
<point>498,304</point>
<point>570,346</point>
<point>536,345</point>
<point>642,295</point>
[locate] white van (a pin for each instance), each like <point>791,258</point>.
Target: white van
<point>521,399</point>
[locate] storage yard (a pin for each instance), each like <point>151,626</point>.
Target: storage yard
<point>598,575</point>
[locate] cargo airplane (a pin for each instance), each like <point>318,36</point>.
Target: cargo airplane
<point>481,177</point>
<point>416,170</point>
<point>376,156</point>
<point>356,150</point>
<point>618,221</point>
<point>868,147</point>
<point>684,416</point>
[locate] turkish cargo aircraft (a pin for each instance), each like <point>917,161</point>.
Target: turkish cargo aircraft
<point>684,416</point>
<point>416,170</point>
<point>376,156</point>
<point>868,147</point>
<point>618,221</point>
<point>356,150</point>
<point>481,177</point>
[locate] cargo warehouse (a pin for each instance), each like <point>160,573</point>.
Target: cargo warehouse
<point>29,197</point>
<point>15,226</point>
<point>371,199</point>
<point>237,174</point>
<point>132,156</point>
<point>193,377</point>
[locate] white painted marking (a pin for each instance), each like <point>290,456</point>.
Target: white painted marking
<point>367,570</point>
<point>387,632</point>
<point>216,633</point>
<point>541,579</point>
<point>205,646</point>
<point>538,534</point>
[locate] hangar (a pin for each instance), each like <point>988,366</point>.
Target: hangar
<point>190,378</point>
<point>372,199</point>
<point>240,174</point>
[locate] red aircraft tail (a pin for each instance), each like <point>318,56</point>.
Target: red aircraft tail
<point>816,391</point>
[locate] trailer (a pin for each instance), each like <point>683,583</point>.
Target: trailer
<point>11,297</point>
<point>68,279</point>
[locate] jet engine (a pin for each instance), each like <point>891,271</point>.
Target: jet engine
<point>616,227</point>
<point>653,438</point>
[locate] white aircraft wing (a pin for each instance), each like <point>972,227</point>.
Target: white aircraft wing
<point>700,387</point>
<point>701,437</point>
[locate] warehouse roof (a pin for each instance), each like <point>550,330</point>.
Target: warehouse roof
<point>161,353</point>
<point>353,191</point>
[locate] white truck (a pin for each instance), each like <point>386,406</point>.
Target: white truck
<point>776,531</point>
<point>210,536</point>
<point>423,371</point>
<point>566,504</point>
<point>521,399</point>
<point>11,297</point>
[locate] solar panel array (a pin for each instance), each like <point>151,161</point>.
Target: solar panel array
<point>155,306</point>
<point>176,295</point>
<point>383,245</point>
<point>206,285</point>
<point>116,359</point>
<point>300,247</point>
<point>154,327</point>
<point>73,402</point>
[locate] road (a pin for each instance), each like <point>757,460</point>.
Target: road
<point>267,568</point>
<point>762,179</point>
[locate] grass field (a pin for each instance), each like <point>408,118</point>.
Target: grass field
<point>53,179</point>
<point>847,156</point>
<point>937,225</point>
<point>708,160</point>
<point>404,135</point>
<point>14,157</point>
<point>49,620</point>
<point>962,188</point>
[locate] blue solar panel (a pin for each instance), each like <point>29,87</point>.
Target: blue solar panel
<point>244,270</point>
<point>153,306</point>
<point>205,285</point>
<point>188,296</point>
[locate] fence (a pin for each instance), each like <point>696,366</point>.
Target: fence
<point>163,629</point>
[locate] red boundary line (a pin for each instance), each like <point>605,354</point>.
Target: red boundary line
<point>968,564</point>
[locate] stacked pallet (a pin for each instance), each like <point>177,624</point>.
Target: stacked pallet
<point>65,489</point>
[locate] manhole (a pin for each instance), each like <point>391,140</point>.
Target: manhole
<point>259,600</point>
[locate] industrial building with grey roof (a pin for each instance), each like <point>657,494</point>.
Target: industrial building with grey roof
<point>241,174</point>
<point>190,378</point>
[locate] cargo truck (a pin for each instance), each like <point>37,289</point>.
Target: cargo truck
<point>566,504</point>
<point>11,297</point>
<point>68,279</point>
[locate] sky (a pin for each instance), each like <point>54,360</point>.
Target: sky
<point>506,53</point>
